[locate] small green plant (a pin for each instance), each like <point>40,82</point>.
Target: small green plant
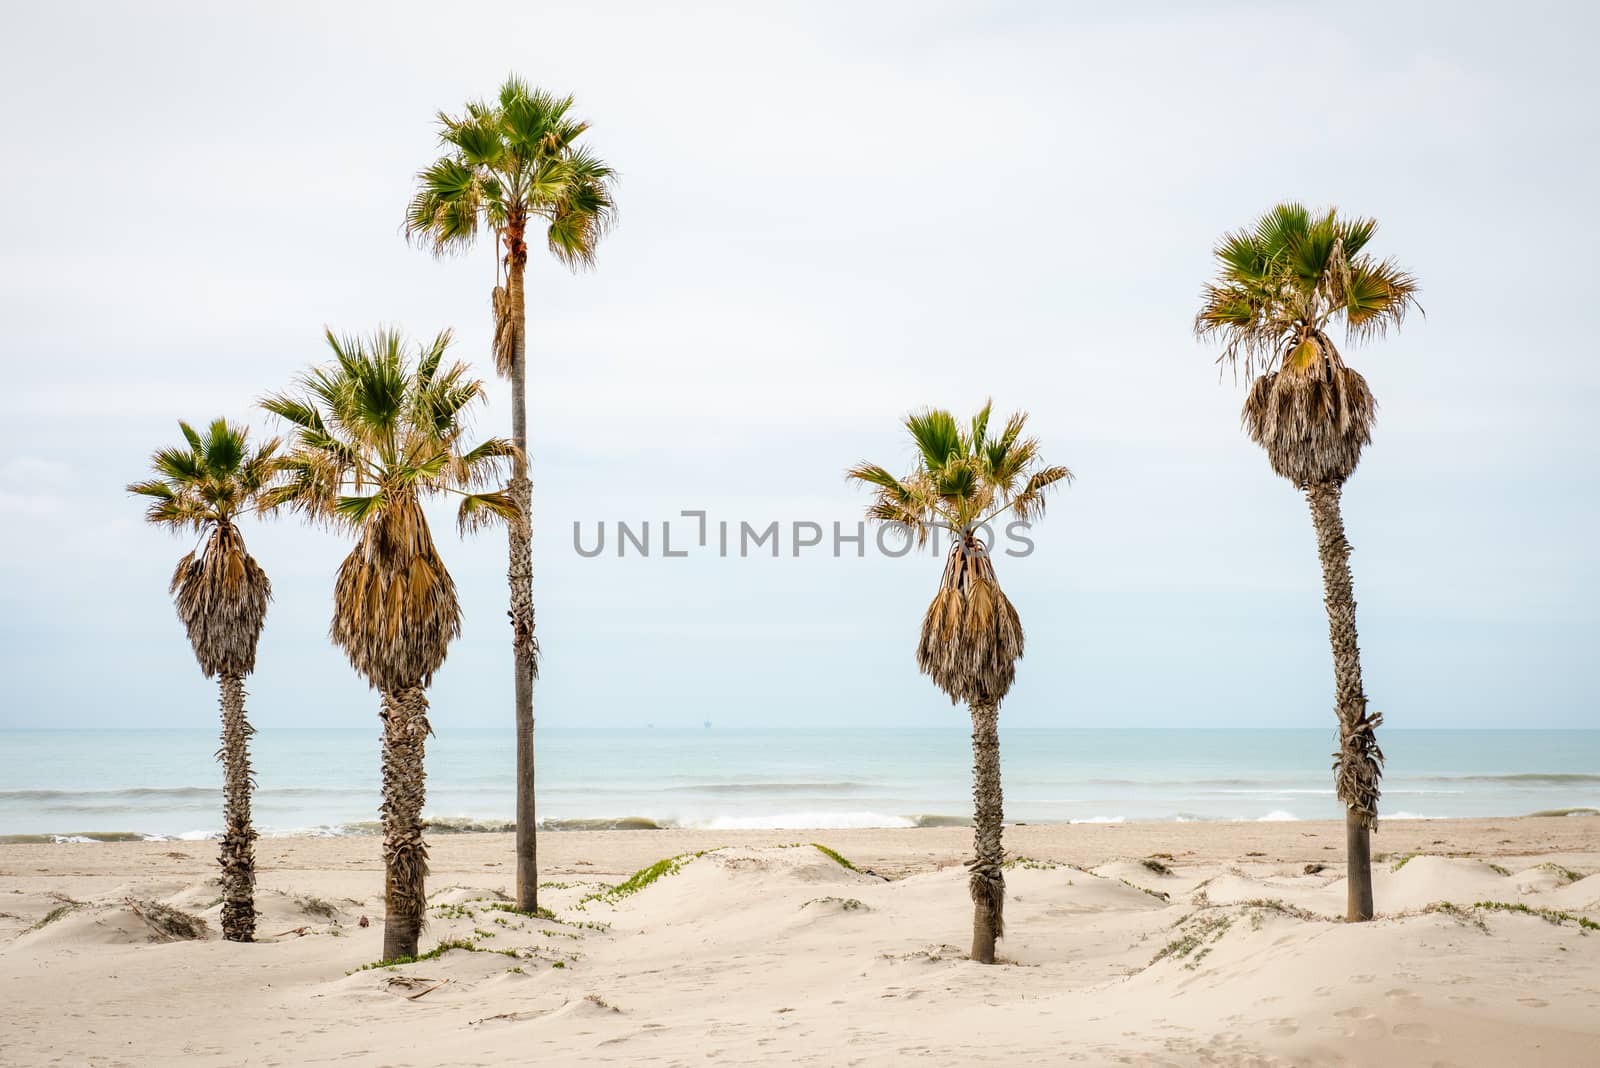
<point>1554,916</point>
<point>1459,914</point>
<point>1566,874</point>
<point>846,904</point>
<point>835,857</point>
<point>433,954</point>
<point>1030,864</point>
<point>559,964</point>
<point>1404,860</point>
<point>315,906</point>
<point>1157,894</point>
<point>1283,908</point>
<point>54,914</point>
<point>1152,864</point>
<point>1196,942</point>
<point>639,880</point>
<point>540,913</point>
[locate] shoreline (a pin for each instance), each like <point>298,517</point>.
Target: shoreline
<point>899,849</point>
<point>464,826</point>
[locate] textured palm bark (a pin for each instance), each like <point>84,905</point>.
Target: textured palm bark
<point>1358,765</point>
<point>987,882</point>
<point>525,645</point>
<point>405,854</point>
<point>238,834</point>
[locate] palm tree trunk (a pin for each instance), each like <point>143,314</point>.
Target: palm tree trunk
<point>1358,764</point>
<point>987,883</point>
<point>238,834</point>
<point>524,645</point>
<point>405,855</point>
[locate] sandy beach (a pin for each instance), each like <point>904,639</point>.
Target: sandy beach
<point>1153,943</point>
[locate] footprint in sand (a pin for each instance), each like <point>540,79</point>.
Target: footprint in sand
<point>1537,1003</point>
<point>1402,998</point>
<point>1415,1032</point>
<point>1362,1024</point>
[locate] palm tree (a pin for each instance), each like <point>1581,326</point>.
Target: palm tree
<point>509,165</point>
<point>971,635</point>
<point>205,486</point>
<point>375,435</point>
<point>1280,287</point>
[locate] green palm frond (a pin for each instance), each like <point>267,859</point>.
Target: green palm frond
<point>356,510</point>
<point>980,429</point>
<point>488,464</point>
<point>1028,504</point>
<point>480,510</point>
<point>1378,297</point>
<point>937,437</point>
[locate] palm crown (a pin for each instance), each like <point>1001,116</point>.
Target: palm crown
<point>506,164</point>
<point>375,435</point>
<point>1279,287</point>
<point>971,634</point>
<point>220,591</point>
<point>1281,283</point>
<point>964,477</point>
<point>215,477</point>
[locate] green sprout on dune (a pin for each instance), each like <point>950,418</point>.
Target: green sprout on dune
<point>835,857</point>
<point>641,879</point>
<point>1554,916</point>
<point>1566,874</point>
<point>54,914</point>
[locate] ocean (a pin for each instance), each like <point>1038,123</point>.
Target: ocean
<point>110,784</point>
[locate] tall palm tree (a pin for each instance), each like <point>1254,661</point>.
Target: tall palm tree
<point>971,635</point>
<point>1280,287</point>
<point>507,166</point>
<point>206,485</point>
<point>375,435</point>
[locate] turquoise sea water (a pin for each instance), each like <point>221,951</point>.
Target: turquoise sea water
<point>167,782</point>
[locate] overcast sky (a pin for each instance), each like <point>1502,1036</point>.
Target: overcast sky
<point>830,214</point>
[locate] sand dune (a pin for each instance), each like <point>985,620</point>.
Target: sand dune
<point>1140,944</point>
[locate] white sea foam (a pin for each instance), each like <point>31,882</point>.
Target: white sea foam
<point>1278,815</point>
<point>798,821</point>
